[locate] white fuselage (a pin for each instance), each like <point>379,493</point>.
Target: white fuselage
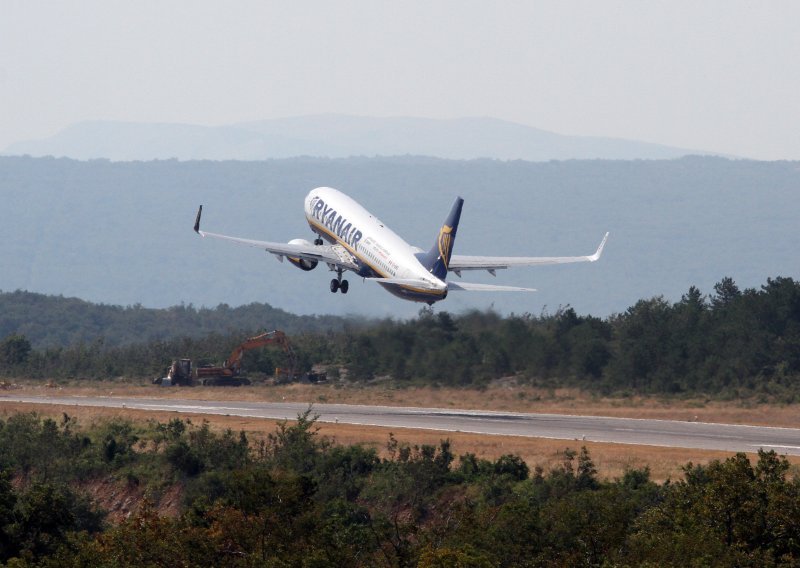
<point>377,250</point>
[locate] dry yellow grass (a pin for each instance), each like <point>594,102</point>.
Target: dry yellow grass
<point>611,459</point>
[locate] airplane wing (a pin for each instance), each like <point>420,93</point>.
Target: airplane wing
<point>492,263</point>
<point>330,254</point>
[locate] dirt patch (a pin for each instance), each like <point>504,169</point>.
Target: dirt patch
<point>120,499</point>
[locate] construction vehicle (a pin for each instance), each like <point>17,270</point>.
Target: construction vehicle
<point>284,375</point>
<point>229,374</point>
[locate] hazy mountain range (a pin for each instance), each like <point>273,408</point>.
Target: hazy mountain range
<point>121,232</point>
<point>334,136</point>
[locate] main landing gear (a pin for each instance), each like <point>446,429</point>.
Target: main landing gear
<point>336,285</point>
<point>339,284</point>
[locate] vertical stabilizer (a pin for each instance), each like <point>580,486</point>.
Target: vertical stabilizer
<point>437,259</point>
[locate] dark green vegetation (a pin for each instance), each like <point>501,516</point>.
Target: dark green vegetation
<point>731,343</point>
<point>296,499</point>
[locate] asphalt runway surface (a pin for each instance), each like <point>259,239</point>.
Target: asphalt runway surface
<point>665,433</point>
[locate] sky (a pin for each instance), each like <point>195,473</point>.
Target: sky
<point>720,76</point>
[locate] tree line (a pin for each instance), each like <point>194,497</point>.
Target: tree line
<point>295,498</point>
<point>731,342</point>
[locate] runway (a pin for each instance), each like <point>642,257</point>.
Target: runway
<point>665,433</point>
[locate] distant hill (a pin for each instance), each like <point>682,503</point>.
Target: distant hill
<point>334,136</point>
<point>120,233</point>
<point>52,321</point>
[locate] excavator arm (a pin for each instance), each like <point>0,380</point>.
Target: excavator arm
<point>234,361</point>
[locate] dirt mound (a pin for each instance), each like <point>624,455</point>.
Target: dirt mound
<point>120,499</point>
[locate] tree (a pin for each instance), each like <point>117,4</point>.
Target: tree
<point>725,292</point>
<point>643,343</point>
<point>725,513</point>
<point>14,350</point>
<point>45,514</point>
<point>8,500</point>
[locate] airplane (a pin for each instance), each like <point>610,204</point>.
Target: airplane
<point>361,243</point>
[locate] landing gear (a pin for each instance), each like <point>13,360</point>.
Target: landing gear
<point>339,284</point>
<point>318,241</point>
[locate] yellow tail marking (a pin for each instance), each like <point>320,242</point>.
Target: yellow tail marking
<point>445,238</point>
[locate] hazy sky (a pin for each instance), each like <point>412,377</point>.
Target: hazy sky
<point>722,76</point>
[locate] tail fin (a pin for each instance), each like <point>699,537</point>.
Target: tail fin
<point>437,259</point>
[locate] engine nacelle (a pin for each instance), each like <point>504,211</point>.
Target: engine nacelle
<point>302,263</point>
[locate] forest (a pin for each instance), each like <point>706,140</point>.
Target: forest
<point>730,343</point>
<point>295,498</point>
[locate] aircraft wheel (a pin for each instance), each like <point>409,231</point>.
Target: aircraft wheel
<point>318,241</point>
<point>344,286</point>
<point>335,286</point>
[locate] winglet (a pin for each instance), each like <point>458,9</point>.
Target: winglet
<point>596,255</point>
<point>197,220</point>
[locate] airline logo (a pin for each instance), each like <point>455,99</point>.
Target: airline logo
<point>334,222</point>
<point>445,244</point>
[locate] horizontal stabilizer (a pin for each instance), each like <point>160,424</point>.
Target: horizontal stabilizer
<point>459,286</point>
<point>413,282</point>
<point>472,287</point>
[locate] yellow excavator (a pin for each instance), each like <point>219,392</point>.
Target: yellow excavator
<point>229,374</point>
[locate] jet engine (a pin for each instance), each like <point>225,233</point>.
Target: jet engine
<point>302,263</point>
